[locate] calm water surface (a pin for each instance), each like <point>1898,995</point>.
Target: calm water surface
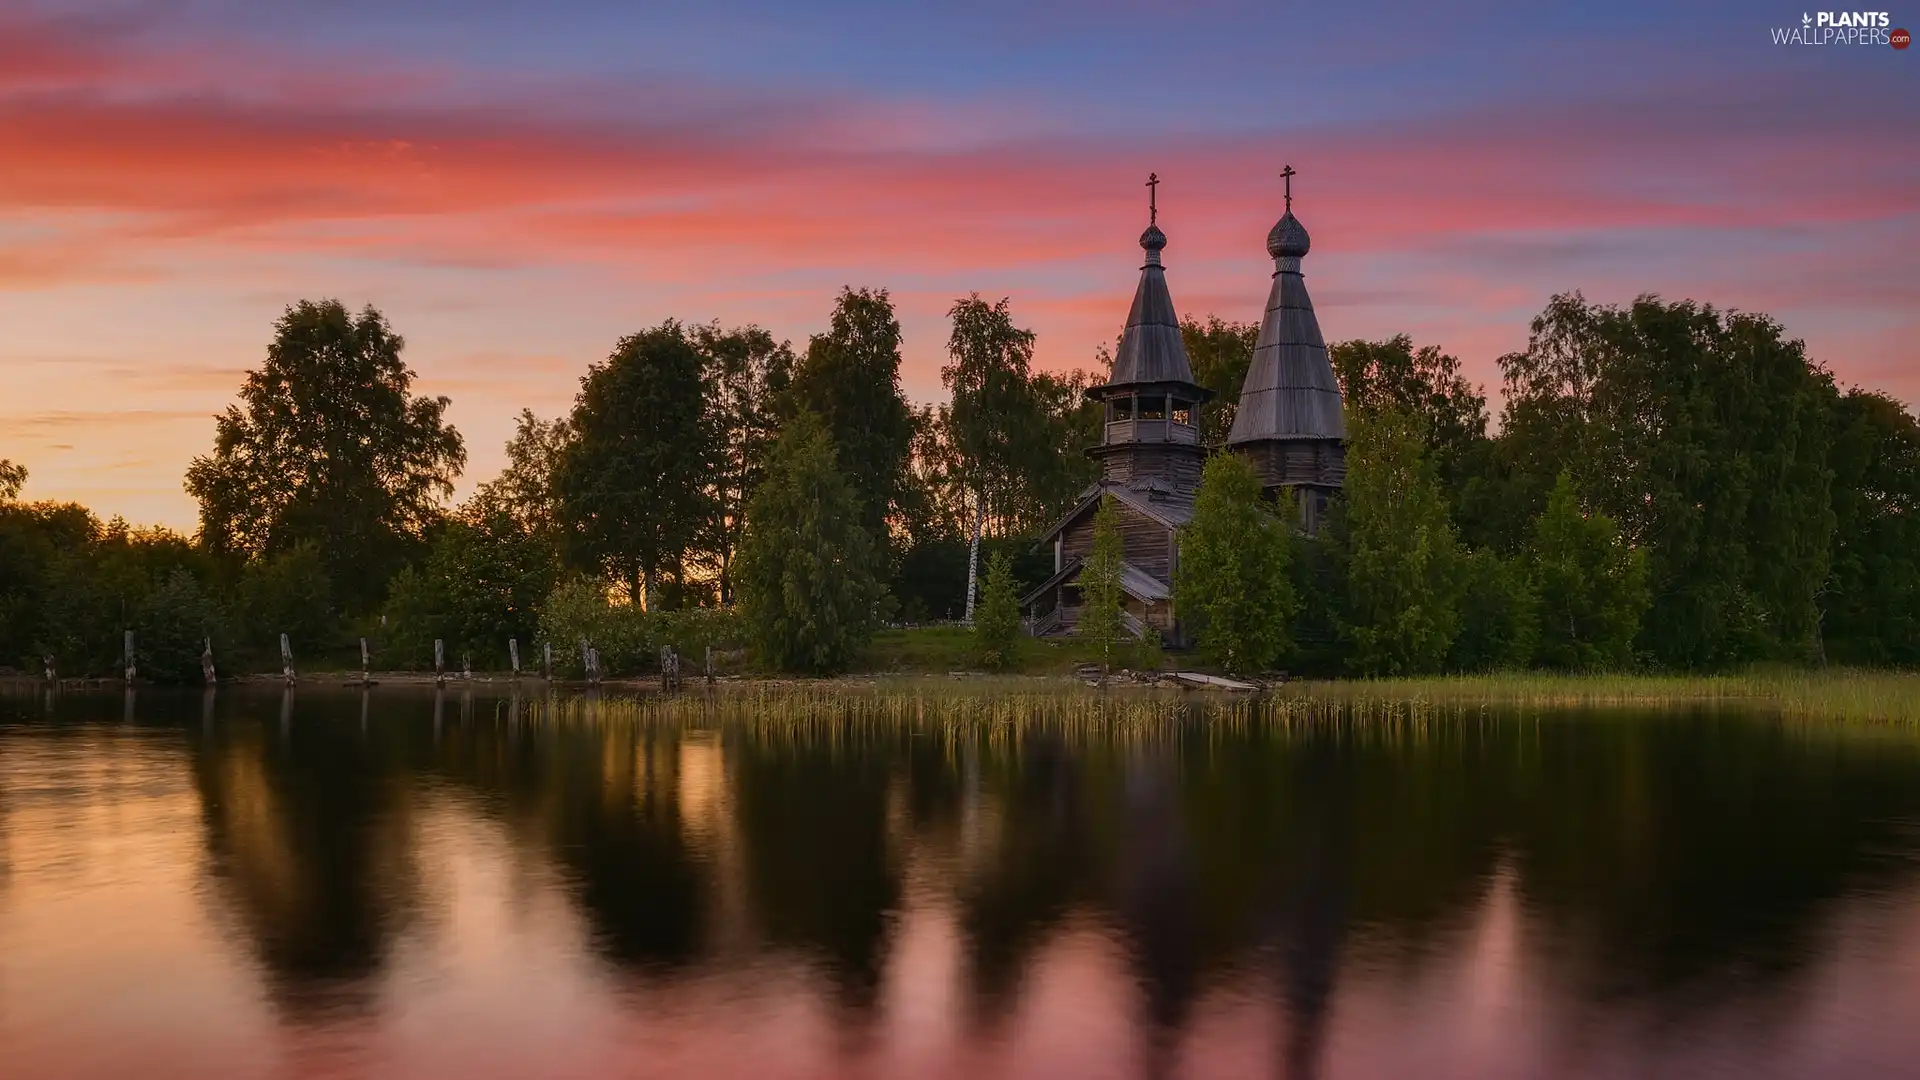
<point>338,886</point>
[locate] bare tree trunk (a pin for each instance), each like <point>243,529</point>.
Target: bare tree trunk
<point>973,551</point>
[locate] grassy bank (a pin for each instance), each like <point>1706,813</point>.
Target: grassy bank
<point>1829,694</point>
<point>1012,705</point>
<point>936,650</point>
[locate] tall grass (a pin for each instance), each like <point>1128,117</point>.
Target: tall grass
<point>1837,694</point>
<point>1018,707</point>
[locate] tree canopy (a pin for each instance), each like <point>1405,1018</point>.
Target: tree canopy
<point>1669,485</point>
<point>1234,586</point>
<point>1592,587</point>
<point>850,379</point>
<point>1402,556</point>
<point>806,566</point>
<point>328,445</point>
<point>747,376</point>
<point>1103,612</point>
<point>1704,436</point>
<point>633,483</point>
<point>1220,352</point>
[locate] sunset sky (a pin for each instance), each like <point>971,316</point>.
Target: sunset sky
<point>518,184</point>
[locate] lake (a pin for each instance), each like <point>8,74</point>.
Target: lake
<point>932,882</point>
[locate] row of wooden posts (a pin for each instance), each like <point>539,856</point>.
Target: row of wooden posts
<point>589,662</point>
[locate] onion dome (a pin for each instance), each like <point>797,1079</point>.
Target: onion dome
<point>1152,241</point>
<point>1289,239</point>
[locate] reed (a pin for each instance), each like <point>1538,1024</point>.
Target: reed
<point>1836,694</point>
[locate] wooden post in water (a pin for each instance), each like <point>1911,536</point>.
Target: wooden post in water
<point>513,657</point>
<point>286,658</point>
<point>366,664</point>
<point>439,662</point>
<point>546,664</point>
<point>206,664</point>
<point>709,665</point>
<point>130,664</point>
<point>586,660</point>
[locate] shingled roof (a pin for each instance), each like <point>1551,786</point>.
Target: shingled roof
<point>1150,348</point>
<point>1290,391</point>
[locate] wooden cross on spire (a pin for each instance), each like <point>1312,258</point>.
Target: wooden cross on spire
<point>1286,175</point>
<point>1153,191</point>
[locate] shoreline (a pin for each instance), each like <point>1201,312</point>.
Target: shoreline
<point>1845,694</point>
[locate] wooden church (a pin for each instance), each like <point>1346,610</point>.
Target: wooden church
<point>1288,425</point>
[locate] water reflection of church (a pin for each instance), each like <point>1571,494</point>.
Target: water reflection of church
<point>1287,424</point>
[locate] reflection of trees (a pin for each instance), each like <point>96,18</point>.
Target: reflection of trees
<point>604,802</point>
<point>1156,903</point>
<point>1681,853</point>
<point>616,824</point>
<point>1656,854</point>
<point>812,816</point>
<point>1042,862</point>
<point>1312,913</point>
<point>307,834</point>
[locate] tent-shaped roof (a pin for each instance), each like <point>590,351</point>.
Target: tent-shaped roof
<point>1151,350</point>
<point>1290,391</point>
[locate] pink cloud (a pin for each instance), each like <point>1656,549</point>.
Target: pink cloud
<point>133,163</point>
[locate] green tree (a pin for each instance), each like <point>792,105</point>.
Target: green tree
<point>1592,586</point>
<point>526,489</point>
<point>482,583</point>
<point>1103,612</point>
<point>288,592</point>
<point>1426,383</point>
<point>1057,470</point>
<point>329,446</point>
<point>177,619</point>
<point>850,379</point>
<point>994,417</point>
<point>1234,584</point>
<point>1499,614</point>
<point>806,567</point>
<point>1220,352</point>
<point>996,624</point>
<point>1704,436</point>
<point>1402,558</point>
<point>747,374</point>
<point>1871,607</point>
<point>633,483</point>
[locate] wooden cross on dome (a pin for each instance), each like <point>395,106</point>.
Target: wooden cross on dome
<point>1287,175</point>
<point>1153,191</point>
